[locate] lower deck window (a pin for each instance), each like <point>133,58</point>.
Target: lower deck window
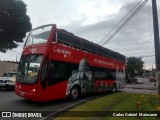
<point>60,71</point>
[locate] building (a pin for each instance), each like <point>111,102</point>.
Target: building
<point>7,66</point>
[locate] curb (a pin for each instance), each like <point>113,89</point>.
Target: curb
<point>145,88</point>
<point>56,114</point>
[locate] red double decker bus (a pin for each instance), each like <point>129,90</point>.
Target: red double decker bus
<point>57,64</point>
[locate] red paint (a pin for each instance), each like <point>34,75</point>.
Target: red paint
<point>50,93</point>
<point>52,50</point>
<point>77,55</point>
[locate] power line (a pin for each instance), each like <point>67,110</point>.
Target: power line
<point>119,22</point>
<point>125,22</point>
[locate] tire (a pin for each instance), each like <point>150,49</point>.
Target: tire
<point>113,88</point>
<point>74,93</point>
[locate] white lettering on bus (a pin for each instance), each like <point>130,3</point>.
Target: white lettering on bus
<point>103,62</point>
<point>61,51</point>
<point>33,50</point>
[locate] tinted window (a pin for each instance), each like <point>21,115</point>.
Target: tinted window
<point>89,47</point>
<point>11,75</point>
<point>60,71</point>
<point>103,73</point>
<point>44,74</point>
<point>99,73</point>
<point>69,40</point>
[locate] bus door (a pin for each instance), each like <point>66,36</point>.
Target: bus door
<point>43,75</point>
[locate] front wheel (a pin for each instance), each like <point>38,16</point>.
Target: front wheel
<point>74,93</point>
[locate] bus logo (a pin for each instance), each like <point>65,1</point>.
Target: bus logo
<point>61,51</point>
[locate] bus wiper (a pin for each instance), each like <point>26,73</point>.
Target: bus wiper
<point>34,58</point>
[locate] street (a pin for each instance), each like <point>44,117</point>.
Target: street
<point>11,102</point>
<point>133,90</point>
<point>147,87</point>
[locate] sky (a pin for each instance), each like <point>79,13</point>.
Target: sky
<point>93,20</point>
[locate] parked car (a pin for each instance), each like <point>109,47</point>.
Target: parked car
<point>140,80</point>
<point>152,79</point>
<point>8,81</point>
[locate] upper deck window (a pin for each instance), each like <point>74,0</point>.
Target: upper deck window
<point>39,35</point>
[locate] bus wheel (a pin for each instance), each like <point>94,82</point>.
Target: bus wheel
<point>113,88</point>
<point>74,93</point>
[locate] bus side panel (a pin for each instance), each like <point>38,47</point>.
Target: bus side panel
<point>104,85</point>
<point>53,92</point>
<point>67,54</point>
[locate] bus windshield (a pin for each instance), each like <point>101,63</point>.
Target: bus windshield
<point>28,68</point>
<point>39,35</point>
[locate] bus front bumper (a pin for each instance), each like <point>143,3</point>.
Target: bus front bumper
<point>27,95</point>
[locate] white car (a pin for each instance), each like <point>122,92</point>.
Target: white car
<point>8,81</point>
<point>140,80</point>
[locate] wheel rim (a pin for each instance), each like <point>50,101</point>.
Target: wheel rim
<point>74,93</point>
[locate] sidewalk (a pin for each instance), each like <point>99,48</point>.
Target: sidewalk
<point>141,86</point>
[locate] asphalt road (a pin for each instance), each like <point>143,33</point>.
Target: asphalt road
<point>135,90</point>
<point>11,102</point>
<point>147,87</point>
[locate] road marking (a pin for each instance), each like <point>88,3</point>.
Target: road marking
<point>67,107</point>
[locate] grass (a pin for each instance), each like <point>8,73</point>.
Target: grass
<point>117,102</point>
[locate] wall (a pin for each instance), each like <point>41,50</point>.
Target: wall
<point>6,67</point>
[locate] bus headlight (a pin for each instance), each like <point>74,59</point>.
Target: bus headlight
<point>33,90</point>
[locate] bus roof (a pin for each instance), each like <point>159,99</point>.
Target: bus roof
<point>71,38</point>
<point>92,45</point>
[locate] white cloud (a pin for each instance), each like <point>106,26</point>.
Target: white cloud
<point>93,19</point>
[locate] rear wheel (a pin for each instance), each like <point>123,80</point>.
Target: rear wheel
<point>74,93</point>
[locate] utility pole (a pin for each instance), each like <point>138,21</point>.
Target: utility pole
<point>156,42</point>
<point>156,34</point>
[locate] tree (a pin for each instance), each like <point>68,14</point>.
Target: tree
<point>134,66</point>
<point>14,23</point>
